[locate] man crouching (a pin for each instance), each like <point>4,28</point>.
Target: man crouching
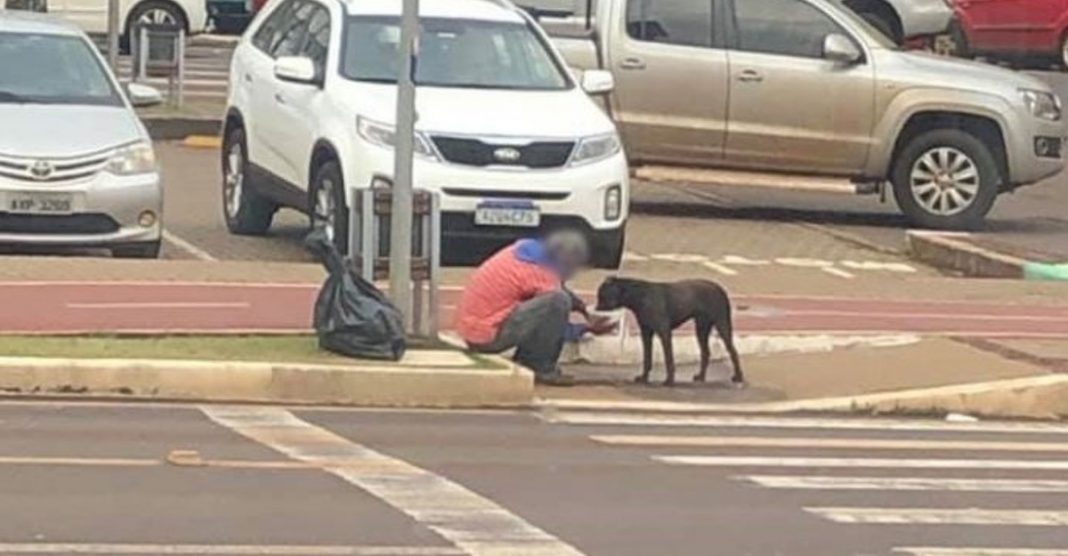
<point>517,299</point>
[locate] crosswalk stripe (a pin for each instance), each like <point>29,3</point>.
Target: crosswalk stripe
<point>640,419</point>
<point>760,461</point>
<point>833,443</point>
<point>965,551</point>
<point>815,482</point>
<point>929,516</point>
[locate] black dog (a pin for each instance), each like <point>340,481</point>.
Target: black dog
<point>661,308</point>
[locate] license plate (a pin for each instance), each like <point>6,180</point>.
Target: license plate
<point>39,203</point>
<point>519,215</point>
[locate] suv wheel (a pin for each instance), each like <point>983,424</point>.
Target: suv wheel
<point>246,211</point>
<point>153,12</point>
<point>946,179</point>
<point>328,209</point>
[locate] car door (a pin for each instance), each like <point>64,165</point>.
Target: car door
<point>1006,25</point>
<point>90,16</point>
<point>292,130</point>
<point>670,69</point>
<point>790,108</point>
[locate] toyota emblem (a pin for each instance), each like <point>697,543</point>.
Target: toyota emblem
<point>41,170</point>
<point>506,154</point>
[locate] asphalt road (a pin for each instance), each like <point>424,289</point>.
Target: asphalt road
<point>95,479</point>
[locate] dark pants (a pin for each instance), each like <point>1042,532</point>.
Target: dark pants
<point>536,329</point>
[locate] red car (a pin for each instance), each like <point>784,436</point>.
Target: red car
<point>1011,28</point>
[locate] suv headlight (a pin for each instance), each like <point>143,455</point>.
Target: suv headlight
<point>384,135</point>
<point>137,158</point>
<point>1042,104</point>
<point>597,147</point>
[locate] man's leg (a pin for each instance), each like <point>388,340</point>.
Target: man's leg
<point>536,329</point>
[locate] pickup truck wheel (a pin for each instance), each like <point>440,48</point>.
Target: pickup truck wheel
<point>946,179</point>
<point>1064,50</point>
<point>245,210</point>
<point>328,209</point>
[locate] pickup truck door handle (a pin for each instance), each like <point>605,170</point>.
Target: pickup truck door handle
<point>632,64</point>
<point>750,76</point>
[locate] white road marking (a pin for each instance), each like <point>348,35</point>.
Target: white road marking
<point>184,245</point>
<point>810,482</point>
<point>722,269</point>
<point>826,443</point>
<point>475,524</point>
<point>889,463</point>
<point>228,550</point>
<point>641,419</point>
<point>162,305</point>
<point>955,516</point>
<point>838,272</point>
<point>102,462</point>
<point>878,265</point>
<point>631,256</point>
<point>745,261</point>
<point>803,262</point>
<point>969,551</point>
<point>680,257</point>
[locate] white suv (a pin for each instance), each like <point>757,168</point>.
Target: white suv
<point>504,133</point>
<point>92,15</point>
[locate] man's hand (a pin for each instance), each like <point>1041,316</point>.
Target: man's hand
<point>599,325</point>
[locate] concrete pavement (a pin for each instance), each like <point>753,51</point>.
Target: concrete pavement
<point>95,479</point>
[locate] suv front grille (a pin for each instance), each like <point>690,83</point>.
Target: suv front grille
<point>475,152</point>
<point>52,170</point>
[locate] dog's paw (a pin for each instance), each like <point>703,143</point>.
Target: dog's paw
<point>739,384</point>
<point>698,377</point>
<point>641,379</point>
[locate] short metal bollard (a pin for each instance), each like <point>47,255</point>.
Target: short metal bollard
<point>369,223</point>
<point>159,50</point>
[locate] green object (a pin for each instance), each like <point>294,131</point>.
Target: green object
<point>1045,271</point>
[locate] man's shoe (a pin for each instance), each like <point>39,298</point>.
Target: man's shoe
<point>554,379</point>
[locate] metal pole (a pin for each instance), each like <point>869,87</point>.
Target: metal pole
<point>400,233</point>
<point>113,35</point>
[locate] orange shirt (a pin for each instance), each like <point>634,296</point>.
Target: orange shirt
<point>495,289</point>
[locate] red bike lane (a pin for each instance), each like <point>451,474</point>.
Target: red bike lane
<point>75,307</point>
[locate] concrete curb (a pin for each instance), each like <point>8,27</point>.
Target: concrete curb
<point>1035,397</point>
<point>290,383</point>
<point>170,128</point>
<point>953,251</point>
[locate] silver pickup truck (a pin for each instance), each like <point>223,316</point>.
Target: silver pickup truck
<point>808,87</point>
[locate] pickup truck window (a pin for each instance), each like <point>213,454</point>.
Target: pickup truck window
<point>681,22</point>
<point>786,27</point>
<point>454,53</point>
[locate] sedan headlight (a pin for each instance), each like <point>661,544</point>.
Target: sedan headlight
<point>598,147</point>
<point>1042,104</point>
<point>384,135</point>
<point>137,158</point>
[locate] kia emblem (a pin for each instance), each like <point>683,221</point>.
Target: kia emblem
<point>506,154</point>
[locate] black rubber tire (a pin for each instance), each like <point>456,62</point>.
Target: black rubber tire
<point>331,170</point>
<point>608,248</point>
<point>1063,57</point>
<point>255,212</point>
<point>990,179</point>
<point>141,250</point>
<point>138,10</point>
<point>960,39</point>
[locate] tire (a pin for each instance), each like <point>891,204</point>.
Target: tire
<point>608,248</point>
<point>245,210</point>
<point>326,203</point>
<point>152,11</point>
<point>1064,51</point>
<point>143,250</point>
<point>952,43</point>
<point>946,179</point>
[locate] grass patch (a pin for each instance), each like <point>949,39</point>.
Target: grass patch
<point>300,348</point>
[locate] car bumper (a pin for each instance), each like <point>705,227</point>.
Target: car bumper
<point>197,12</point>
<point>105,210</point>
<point>1033,161</point>
<point>921,18</point>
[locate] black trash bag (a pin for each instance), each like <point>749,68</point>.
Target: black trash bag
<point>352,317</point>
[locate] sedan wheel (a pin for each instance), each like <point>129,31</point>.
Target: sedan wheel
<point>157,16</point>
<point>944,181</point>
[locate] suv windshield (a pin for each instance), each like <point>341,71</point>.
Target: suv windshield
<point>52,69</point>
<point>453,53</point>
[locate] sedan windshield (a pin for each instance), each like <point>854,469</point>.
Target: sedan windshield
<point>453,53</point>
<point>52,69</point>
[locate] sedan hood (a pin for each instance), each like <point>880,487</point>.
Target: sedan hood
<point>536,114</point>
<point>57,131</point>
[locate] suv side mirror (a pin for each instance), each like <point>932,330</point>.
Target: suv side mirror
<point>142,96</point>
<point>841,49</point>
<point>296,69</point>
<point>598,82</point>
